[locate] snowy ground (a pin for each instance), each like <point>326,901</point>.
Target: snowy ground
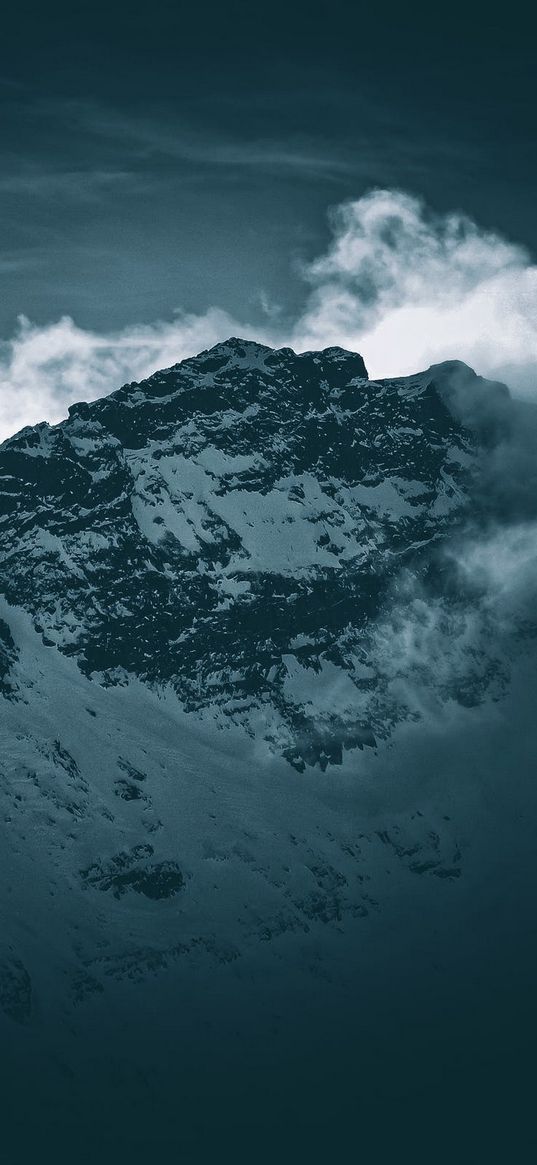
<point>187,915</point>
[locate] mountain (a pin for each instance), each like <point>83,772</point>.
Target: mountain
<point>234,528</point>
<point>245,655</point>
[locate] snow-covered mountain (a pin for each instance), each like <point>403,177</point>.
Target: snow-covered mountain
<point>235,527</point>
<point>234,596</point>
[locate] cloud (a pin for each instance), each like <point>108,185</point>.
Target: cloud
<point>143,138</point>
<point>410,288</point>
<point>405,287</point>
<point>436,647</point>
<point>84,184</point>
<point>504,566</point>
<point>43,369</point>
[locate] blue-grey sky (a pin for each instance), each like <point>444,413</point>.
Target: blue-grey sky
<point>171,174</point>
<point>165,155</point>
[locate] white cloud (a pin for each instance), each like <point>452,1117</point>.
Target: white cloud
<point>404,287</point>
<point>43,369</point>
<point>408,289</point>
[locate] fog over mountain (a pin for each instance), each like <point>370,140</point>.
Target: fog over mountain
<point>267,689</point>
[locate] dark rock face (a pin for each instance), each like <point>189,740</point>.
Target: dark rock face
<point>232,526</point>
<point>8,654</point>
<point>15,990</point>
<point>135,871</point>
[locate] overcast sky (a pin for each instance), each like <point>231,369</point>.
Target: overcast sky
<point>162,158</point>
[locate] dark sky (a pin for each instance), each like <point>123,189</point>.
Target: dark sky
<point>160,156</point>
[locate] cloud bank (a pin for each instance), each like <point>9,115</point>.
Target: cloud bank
<point>405,287</point>
<point>411,288</point>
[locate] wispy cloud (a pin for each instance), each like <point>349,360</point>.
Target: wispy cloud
<point>149,138</point>
<point>85,184</point>
<point>99,133</point>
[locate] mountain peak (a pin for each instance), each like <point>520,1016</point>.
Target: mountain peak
<point>250,351</point>
<point>236,345</point>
